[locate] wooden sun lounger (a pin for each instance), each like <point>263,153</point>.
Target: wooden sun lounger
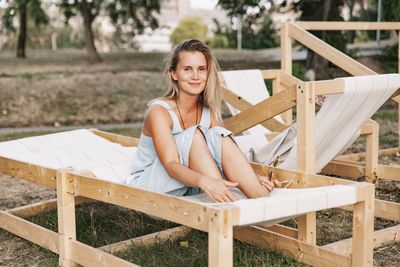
<point>218,220</point>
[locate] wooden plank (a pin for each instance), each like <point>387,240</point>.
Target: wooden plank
<point>387,209</point>
<point>40,207</point>
<point>88,256</point>
<point>283,230</point>
<point>286,63</point>
<point>359,156</point>
<point>363,229</point>
<point>372,153</point>
<point>389,172</point>
<point>348,170</point>
<point>165,206</point>
<point>117,138</point>
<point>328,52</point>
<point>288,80</point>
<point>241,104</point>
<point>381,237</point>
<point>303,252</point>
<point>307,226</point>
<point>35,173</point>
<point>66,219</point>
<point>220,238</point>
<point>270,74</point>
<point>29,231</point>
<point>328,87</point>
<point>147,240</point>
<point>262,111</point>
<point>343,26</point>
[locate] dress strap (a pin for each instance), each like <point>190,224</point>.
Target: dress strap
<point>176,125</point>
<point>205,117</point>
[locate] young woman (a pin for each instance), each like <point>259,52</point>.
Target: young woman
<point>183,149</point>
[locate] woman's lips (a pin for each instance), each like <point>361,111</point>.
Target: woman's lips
<point>195,84</point>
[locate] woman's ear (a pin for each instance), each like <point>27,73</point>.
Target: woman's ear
<point>173,75</point>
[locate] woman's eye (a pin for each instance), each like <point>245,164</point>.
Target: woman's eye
<point>202,69</point>
<point>186,69</point>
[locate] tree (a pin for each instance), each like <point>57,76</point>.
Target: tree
<point>24,9</point>
<point>136,14</point>
<point>322,10</point>
<point>188,28</point>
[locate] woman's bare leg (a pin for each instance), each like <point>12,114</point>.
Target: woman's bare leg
<point>200,158</point>
<point>237,169</point>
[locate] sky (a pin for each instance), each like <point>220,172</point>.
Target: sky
<point>203,4</point>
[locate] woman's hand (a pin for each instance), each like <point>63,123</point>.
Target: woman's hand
<point>268,184</point>
<point>217,189</point>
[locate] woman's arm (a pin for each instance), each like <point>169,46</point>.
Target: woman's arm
<point>158,125</point>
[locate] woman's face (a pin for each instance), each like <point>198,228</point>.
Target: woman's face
<point>191,72</point>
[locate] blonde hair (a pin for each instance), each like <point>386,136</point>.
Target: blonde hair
<point>211,97</point>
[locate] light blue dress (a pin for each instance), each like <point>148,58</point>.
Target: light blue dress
<point>148,172</point>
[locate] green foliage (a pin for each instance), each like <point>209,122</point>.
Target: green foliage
<point>188,28</point>
<point>258,34</point>
<point>34,11</point>
<point>388,59</point>
<point>218,41</point>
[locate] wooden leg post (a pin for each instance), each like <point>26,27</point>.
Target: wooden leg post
<point>372,153</point>
<point>306,152</point>
<point>66,218</point>
<point>286,63</point>
<point>220,238</point>
<point>363,229</point>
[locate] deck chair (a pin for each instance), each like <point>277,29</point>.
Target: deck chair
<point>62,161</point>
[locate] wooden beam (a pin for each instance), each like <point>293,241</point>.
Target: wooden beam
<point>372,153</point>
<point>165,206</point>
<point>34,173</point>
<point>288,80</point>
<point>286,63</point>
<point>262,111</point>
<point>303,252</point>
<point>270,74</point>
<point>117,138</point>
<point>387,210</point>
<point>389,172</point>
<point>66,219</point>
<point>328,52</point>
<point>241,104</point>
<point>88,256</point>
<point>363,229</point>
<point>307,227</point>
<point>281,229</point>
<point>342,169</point>
<point>147,240</point>
<point>381,237</point>
<point>220,238</point>
<point>343,26</point>
<point>40,207</point>
<point>328,87</point>
<point>29,231</point>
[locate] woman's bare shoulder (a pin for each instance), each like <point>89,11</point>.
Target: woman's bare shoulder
<point>155,115</point>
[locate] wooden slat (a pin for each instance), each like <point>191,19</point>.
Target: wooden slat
<point>288,80</point>
<point>328,52</point>
<point>353,171</point>
<point>328,87</point>
<point>389,172</point>
<point>66,219</point>
<point>372,153</point>
<point>241,104</point>
<point>387,209</point>
<point>342,26</point>
<point>146,240</point>
<point>307,253</point>
<point>286,63</point>
<point>30,172</point>
<point>262,111</point>
<point>88,256</point>
<point>363,229</point>
<point>40,207</point>
<point>220,238</point>
<point>270,74</point>
<point>29,231</point>
<point>381,237</point>
<point>167,207</point>
<point>117,138</point>
<point>283,230</point>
